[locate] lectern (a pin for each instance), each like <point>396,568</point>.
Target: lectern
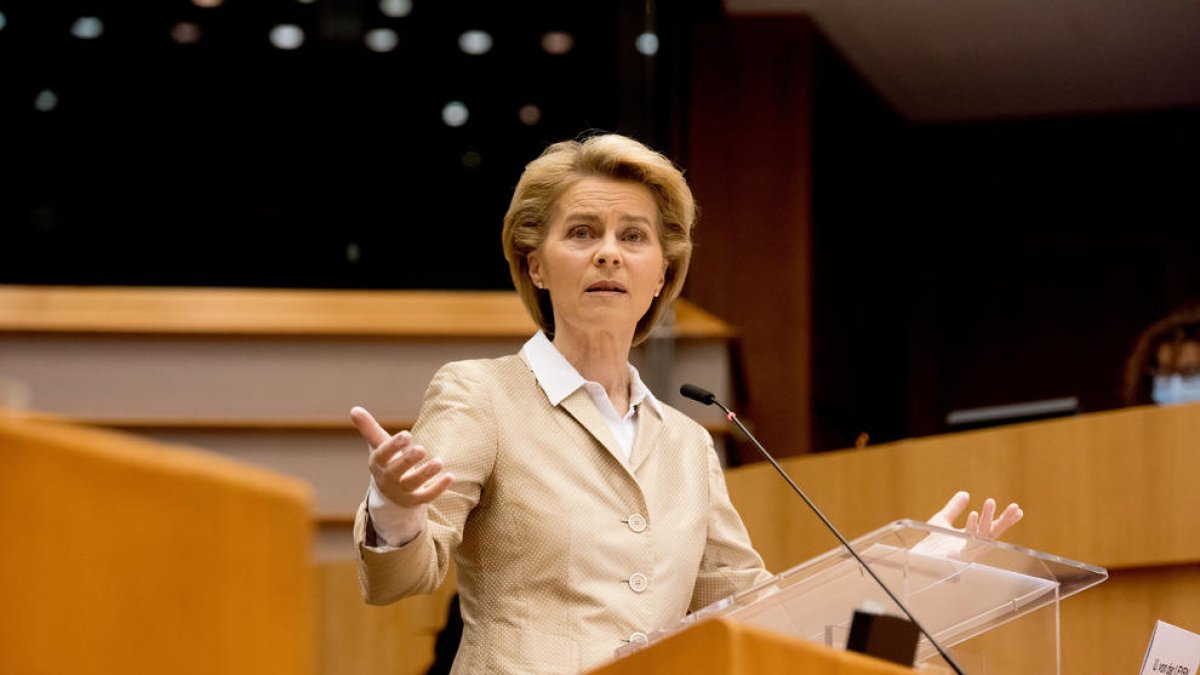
<point>958,587</point>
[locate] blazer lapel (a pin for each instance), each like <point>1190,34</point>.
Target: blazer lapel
<point>580,406</point>
<point>650,426</point>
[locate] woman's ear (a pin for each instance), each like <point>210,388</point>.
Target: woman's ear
<point>535,270</point>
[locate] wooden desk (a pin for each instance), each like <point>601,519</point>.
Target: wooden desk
<point>126,556</point>
<point>719,647</point>
<point>1116,489</point>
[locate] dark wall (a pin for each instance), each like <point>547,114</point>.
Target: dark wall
<point>982,263</point>
<point>862,295</point>
<point>749,167</point>
<point>228,162</point>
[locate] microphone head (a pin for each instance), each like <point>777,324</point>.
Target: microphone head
<point>698,394</point>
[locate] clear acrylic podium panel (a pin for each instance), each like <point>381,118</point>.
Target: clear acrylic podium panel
<point>956,586</point>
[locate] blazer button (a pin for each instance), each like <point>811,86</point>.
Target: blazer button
<point>638,582</point>
<point>638,638</point>
<point>636,522</point>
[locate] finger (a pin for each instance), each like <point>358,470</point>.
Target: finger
<point>986,514</point>
<point>391,448</point>
<point>952,510</point>
<point>413,479</point>
<point>370,429</point>
<point>1011,516</point>
<point>404,487</point>
<point>396,455</point>
<point>433,490</point>
<point>972,524</point>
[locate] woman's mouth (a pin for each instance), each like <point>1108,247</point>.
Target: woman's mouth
<point>607,286</point>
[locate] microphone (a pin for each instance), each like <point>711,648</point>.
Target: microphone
<point>701,395</point>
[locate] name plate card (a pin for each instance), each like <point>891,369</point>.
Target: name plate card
<point>1172,651</point>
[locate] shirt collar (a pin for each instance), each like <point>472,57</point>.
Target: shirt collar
<point>559,379</point>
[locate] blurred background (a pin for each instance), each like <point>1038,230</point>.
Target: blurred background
<point>908,208</point>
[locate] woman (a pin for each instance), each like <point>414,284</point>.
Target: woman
<point>581,511</point>
<point>1164,366</point>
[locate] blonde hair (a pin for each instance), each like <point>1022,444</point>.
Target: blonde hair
<point>604,156</point>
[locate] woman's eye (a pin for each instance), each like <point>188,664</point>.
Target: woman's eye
<point>580,232</point>
<point>635,235</point>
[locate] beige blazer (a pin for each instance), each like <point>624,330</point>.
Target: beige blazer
<point>564,552</point>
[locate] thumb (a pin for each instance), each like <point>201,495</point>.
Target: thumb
<point>952,510</point>
<point>368,427</point>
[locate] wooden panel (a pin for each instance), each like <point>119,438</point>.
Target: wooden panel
<point>421,314</point>
<point>1107,629</point>
<point>261,311</point>
<point>233,379</point>
<point>1114,489</point>
<point>125,556</point>
<point>1108,488</point>
<point>358,639</point>
<point>720,647</point>
<point>239,382</point>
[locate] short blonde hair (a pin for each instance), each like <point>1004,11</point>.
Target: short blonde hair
<point>604,156</point>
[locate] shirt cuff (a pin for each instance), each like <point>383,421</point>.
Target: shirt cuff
<point>394,525</point>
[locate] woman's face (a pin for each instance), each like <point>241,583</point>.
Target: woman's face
<point>602,260</point>
<point>1178,375</point>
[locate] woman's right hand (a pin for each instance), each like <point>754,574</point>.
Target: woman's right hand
<point>395,464</point>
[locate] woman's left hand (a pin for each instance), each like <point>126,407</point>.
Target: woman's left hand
<point>981,524</point>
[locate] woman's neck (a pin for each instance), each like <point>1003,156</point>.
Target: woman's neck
<point>600,357</point>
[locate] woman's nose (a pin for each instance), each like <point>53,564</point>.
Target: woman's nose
<point>609,253</point>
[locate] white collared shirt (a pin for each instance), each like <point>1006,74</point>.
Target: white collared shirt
<point>559,379</point>
<point>396,525</point>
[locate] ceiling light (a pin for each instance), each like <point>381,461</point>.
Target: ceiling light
<point>455,114</point>
<point>46,100</point>
<point>557,42</point>
<point>395,8</point>
<point>475,42</point>
<point>287,36</point>
<point>529,114</point>
<point>381,39</point>
<point>647,44</point>
<point>185,33</point>
<point>87,28</point>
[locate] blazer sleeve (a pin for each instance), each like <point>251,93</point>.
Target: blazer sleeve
<point>730,563</point>
<point>455,423</point>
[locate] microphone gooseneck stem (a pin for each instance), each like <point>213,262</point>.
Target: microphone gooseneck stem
<point>796,488</point>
